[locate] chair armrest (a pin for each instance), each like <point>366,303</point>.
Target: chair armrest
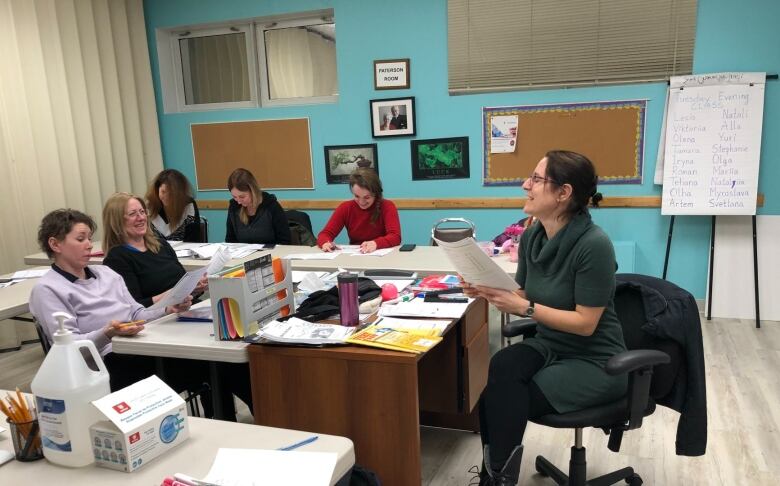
<point>629,361</point>
<point>521,327</point>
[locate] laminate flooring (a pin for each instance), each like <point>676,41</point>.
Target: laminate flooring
<point>743,398</point>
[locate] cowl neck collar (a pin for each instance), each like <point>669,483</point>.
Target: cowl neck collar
<point>549,255</point>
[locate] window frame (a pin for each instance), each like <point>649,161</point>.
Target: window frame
<point>172,83</point>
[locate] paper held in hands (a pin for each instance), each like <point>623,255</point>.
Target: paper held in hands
<point>189,280</point>
<point>475,266</point>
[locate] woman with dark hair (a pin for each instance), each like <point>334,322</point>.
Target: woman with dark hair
<point>95,296</point>
<point>372,221</point>
<point>566,274</point>
<point>172,209</point>
<point>254,216</point>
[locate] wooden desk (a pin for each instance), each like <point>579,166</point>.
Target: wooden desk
<point>375,397</point>
<point>194,456</point>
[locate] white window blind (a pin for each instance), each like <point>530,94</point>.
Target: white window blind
<point>497,45</point>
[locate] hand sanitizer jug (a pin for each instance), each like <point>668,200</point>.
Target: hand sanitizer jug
<point>64,388</point>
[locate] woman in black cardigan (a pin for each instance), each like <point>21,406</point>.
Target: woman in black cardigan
<point>254,216</point>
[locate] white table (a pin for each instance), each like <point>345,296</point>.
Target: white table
<point>193,457</point>
<point>14,300</point>
<point>423,259</point>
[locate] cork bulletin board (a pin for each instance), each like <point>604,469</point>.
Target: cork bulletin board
<point>610,133</point>
<point>277,152</point>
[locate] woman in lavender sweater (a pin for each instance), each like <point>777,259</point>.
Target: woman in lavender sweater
<point>95,296</point>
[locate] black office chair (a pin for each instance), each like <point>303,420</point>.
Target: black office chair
<point>464,229</point>
<point>203,231</point>
<point>652,365</point>
<point>301,231</point>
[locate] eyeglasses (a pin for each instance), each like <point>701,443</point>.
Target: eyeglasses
<point>134,214</point>
<point>536,179</point>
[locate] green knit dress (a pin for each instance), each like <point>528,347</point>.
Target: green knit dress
<point>576,267</point>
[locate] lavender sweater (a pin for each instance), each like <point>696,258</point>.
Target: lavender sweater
<point>93,303</point>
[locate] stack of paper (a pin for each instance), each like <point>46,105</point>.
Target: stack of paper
<point>420,308</point>
<point>380,336</point>
<point>298,331</point>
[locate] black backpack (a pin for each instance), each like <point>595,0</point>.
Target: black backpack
<point>325,303</point>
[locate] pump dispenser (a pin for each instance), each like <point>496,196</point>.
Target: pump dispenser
<point>64,388</point>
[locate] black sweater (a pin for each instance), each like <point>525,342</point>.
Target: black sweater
<point>268,225</point>
<point>145,273</point>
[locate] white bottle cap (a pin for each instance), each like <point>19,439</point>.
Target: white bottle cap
<point>62,335</point>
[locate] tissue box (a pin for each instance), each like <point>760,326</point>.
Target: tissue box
<point>144,420</point>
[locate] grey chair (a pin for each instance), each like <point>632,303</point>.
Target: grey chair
<point>444,231</point>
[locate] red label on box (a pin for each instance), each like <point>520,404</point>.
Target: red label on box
<point>135,437</point>
<point>121,407</point>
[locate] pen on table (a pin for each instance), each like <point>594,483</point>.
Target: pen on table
<point>132,323</point>
<point>400,298</point>
<point>298,444</point>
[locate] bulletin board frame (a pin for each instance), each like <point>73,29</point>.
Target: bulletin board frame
<point>277,152</point>
<point>610,133</point>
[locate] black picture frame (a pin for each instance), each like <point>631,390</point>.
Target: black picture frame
<point>440,158</point>
<point>382,127</point>
<point>341,160</point>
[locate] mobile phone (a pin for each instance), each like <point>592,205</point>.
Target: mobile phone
<point>407,247</point>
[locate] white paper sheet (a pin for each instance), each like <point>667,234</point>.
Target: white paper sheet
<point>218,261</point>
<point>312,256</point>
<point>30,273</point>
<point>475,266</point>
<point>181,290</point>
<point>354,250</point>
<point>420,308</point>
<point>298,275</point>
<point>256,467</point>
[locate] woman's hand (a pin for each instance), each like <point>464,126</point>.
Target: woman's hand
<point>368,247</point>
<point>203,285</point>
<point>504,300</point>
<point>329,247</point>
<point>468,289</point>
<point>180,307</point>
<point>118,328</point>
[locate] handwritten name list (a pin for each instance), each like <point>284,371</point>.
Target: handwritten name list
<point>713,142</point>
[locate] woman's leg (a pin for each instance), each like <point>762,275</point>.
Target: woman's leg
<point>509,399</point>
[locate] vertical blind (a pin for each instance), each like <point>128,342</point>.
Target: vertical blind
<point>77,114</point>
<point>497,45</point>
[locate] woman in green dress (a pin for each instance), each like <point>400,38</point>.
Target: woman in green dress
<point>566,274</point>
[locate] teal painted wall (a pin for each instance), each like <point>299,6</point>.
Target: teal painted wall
<point>731,36</point>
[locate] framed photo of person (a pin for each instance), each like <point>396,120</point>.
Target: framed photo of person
<point>341,160</point>
<point>393,117</point>
<point>440,158</point>
<point>391,74</point>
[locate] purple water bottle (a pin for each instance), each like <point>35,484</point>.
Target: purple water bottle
<point>348,298</point>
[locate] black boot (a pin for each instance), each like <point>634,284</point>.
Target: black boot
<point>509,473</point>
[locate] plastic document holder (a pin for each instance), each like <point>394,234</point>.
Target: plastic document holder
<point>249,295</point>
<point>390,274</point>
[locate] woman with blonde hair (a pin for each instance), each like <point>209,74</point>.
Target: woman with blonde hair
<point>146,261</point>
<point>254,216</point>
<point>172,209</point>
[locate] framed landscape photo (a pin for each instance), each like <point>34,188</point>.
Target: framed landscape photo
<point>391,74</point>
<point>392,117</point>
<point>440,158</point>
<point>341,160</point>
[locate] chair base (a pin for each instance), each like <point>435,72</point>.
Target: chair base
<point>578,470</point>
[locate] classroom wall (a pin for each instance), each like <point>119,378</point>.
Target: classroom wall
<point>738,36</point>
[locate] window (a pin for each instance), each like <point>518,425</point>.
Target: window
<point>502,45</point>
<point>249,63</point>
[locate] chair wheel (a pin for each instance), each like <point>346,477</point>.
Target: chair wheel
<point>634,480</point>
<point>538,465</point>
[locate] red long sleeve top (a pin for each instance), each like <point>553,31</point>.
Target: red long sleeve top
<point>385,231</point>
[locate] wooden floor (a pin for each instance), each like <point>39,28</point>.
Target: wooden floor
<point>743,396</point>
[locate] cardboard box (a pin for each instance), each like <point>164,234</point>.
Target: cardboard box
<point>145,419</point>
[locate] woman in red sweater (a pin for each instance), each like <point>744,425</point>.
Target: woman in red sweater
<point>372,221</point>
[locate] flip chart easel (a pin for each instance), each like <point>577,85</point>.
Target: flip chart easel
<point>711,145</point>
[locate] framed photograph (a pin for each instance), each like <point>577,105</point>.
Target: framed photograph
<point>440,158</point>
<point>341,160</point>
<point>392,117</point>
<point>391,74</point>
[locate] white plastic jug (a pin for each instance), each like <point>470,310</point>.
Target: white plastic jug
<point>64,387</point>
